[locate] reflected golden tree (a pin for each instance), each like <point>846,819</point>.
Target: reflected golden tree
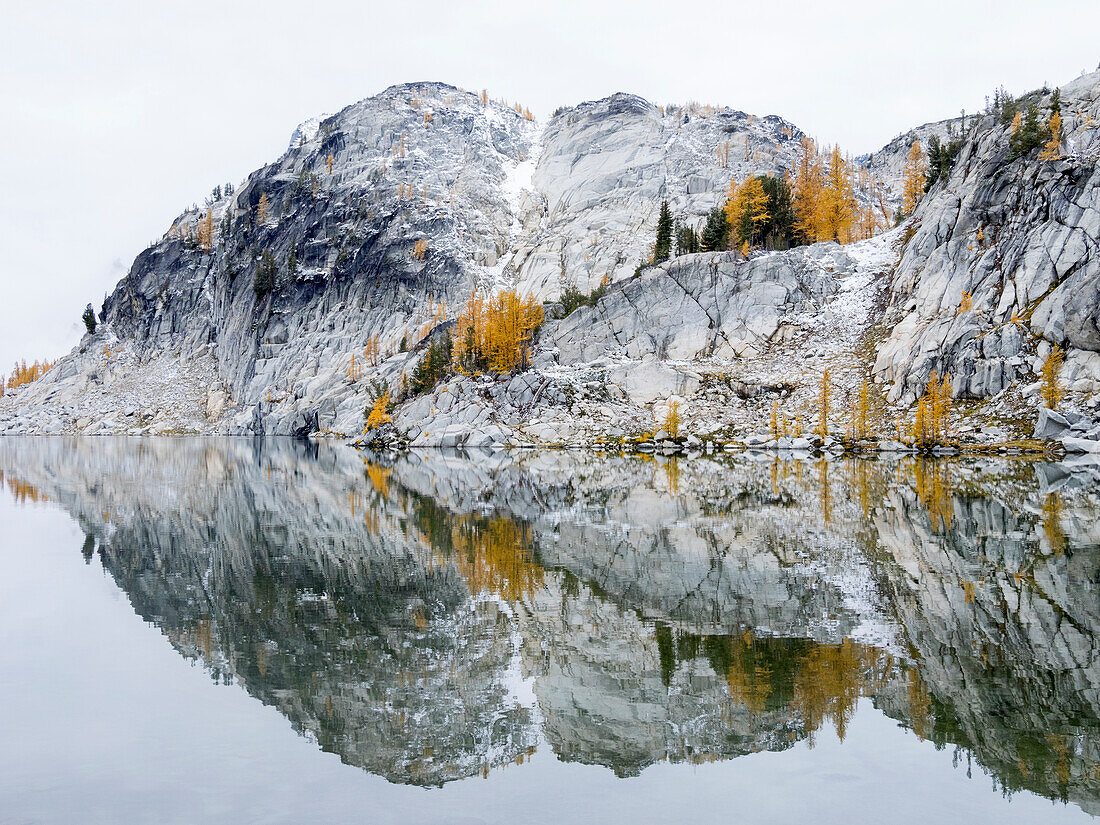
<point>23,492</point>
<point>920,704</point>
<point>823,490</point>
<point>829,683</point>
<point>494,554</point>
<point>379,477</point>
<point>749,680</point>
<point>1052,523</point>
<point>672,475</point>
<point>933,485</point>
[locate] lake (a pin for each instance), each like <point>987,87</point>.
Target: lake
<point>275,631</point>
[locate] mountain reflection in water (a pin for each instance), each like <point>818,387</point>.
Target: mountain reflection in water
<point>429,617</point>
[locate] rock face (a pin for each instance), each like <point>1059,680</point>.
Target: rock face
<point>719,333</point>
<point>1019,235</point>
<point>379,220</point>
<point>606,166</point>
<point>888,163</point>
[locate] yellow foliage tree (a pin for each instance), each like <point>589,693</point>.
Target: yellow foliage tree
<point>354,370</point>
<point>825,206</point>
<point>838,199</point>
<point>22,374</point>
<point>379,414</point>
<point>916,166</point>
<point>420,249</point>
<point>966,303</point>
<point>747,209</point>
<point>1051,382</point>
<point>931,425</point>
<point>372,351</point>
<point>1053,148</point>
<point>673,419</point>
<point>861,427</point>
<point>496,334</point>
<point>261,209</point>
<point>206,231</point>
<point>823,405</point>
<point>807,192</point>
<point>328,163</point>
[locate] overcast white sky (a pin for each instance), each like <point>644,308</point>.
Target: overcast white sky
<point>116,115</point>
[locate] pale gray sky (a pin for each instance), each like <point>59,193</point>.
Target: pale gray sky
<point>117,115</point>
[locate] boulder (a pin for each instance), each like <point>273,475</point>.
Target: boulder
<point>1051,425</point>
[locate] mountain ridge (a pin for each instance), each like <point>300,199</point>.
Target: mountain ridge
<point>380,222</point>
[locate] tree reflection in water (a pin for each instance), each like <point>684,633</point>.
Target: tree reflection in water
<point>397,609</point>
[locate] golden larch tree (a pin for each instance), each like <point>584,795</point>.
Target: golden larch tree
<point>838,200</point>
<point>379,413</point>
<point>747,208</point>
<point>673,419</point>
<point>916,167</point>
<point>1051,381</point>
<point>372,351</point>
<point>206,231</point>
<point>1053,148</point>
<point>261,209</point>
<point>807,188</point>
<point>496,334</point>
<point>823,405</point>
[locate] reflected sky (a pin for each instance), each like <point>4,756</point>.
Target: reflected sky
<point>281,632</point>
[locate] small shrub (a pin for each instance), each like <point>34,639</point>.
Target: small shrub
<point>573,299</point>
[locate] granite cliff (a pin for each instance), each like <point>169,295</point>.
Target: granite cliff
<point>378,222</point>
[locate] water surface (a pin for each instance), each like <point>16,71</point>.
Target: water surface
<point>272,631</point>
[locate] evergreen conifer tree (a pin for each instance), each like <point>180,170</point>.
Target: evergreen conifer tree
<point>715,235</point>
<point>1027,134</point>
<point>687,241</point>
<point>662,249</point>
<point>264,280</point>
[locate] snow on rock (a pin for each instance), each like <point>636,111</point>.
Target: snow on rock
<point>431,193</point>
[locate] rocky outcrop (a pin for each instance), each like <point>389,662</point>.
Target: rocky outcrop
<point>382,218</point>
<point>606,166</point>
<point>377,219</point>
<point>720,334</point>
<point>1017,234</point>
<point>888,163</point>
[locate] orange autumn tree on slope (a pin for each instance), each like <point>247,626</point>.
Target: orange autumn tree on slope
<point>825,205</point>
<point>23,374</point>
<point>496,333</point>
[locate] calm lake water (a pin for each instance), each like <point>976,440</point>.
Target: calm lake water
<point>202,630</point>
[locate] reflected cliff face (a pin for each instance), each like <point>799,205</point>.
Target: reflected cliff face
<point>431,617</point>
